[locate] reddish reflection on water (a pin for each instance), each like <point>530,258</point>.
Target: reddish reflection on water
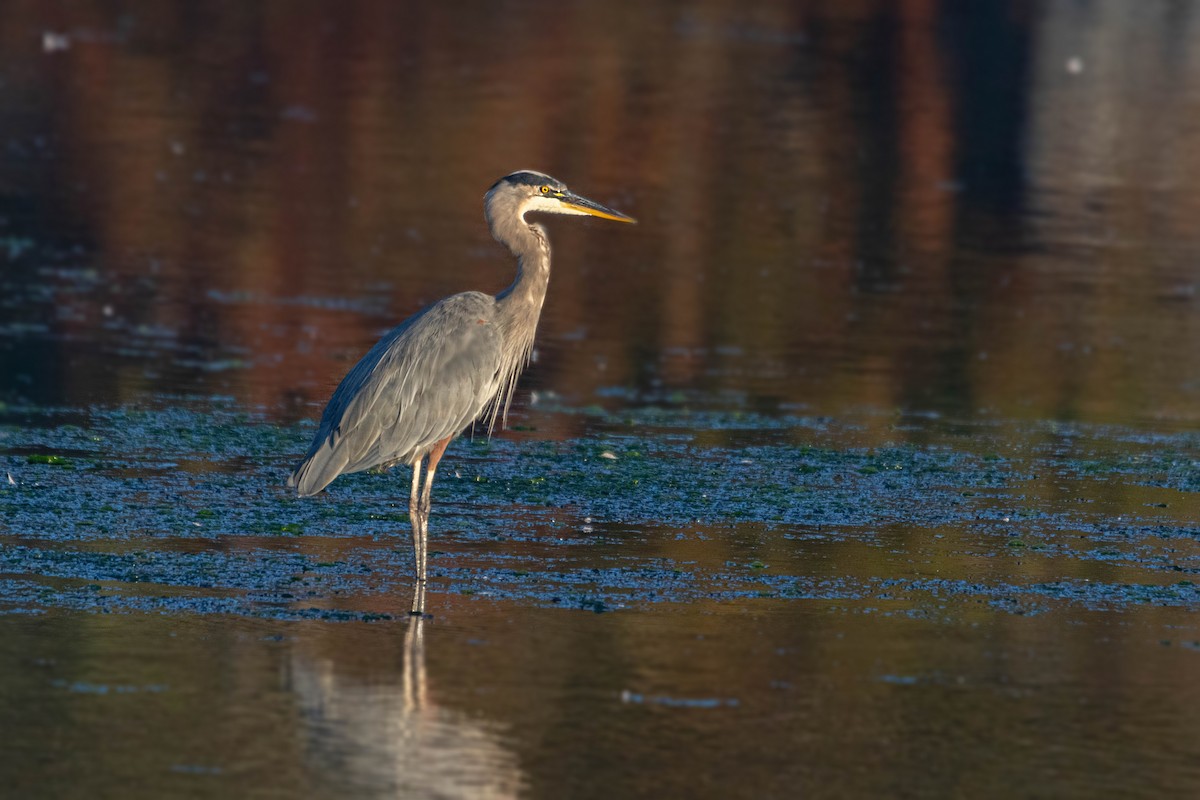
<point>942,208</point>
<point>904,206</point>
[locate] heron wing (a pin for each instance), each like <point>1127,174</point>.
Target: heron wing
<point>424,381</point>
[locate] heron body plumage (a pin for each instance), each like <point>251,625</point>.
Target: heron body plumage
<point>446,366</point>
<point>427,379</point>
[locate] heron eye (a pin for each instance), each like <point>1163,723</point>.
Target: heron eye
<point>545,190</point>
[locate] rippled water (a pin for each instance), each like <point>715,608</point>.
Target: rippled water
<point>866,464</point>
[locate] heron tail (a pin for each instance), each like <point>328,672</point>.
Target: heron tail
<point>316,471</point>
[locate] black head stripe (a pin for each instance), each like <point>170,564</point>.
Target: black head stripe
<point>531,178</point>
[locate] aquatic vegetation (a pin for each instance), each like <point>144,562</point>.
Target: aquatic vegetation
<point>185,509</point>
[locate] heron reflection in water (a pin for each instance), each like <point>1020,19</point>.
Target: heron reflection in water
<point>441,369</point>
<point>374,725</point>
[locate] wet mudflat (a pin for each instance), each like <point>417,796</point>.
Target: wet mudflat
<point>867,464</point>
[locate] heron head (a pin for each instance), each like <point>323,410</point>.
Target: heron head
<point>526,191</point>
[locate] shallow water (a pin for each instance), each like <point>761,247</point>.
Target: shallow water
<point>866,464</point>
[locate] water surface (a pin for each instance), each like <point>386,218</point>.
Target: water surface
<point>866,464</point>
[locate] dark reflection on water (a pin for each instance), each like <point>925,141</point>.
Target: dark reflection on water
<point>753,701</point>
<point>920,206</point>
<point>916,220</point>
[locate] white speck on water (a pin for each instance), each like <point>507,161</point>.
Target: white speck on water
<point>609,455</point>
<point>1074,65</point>
<point>54,42</point>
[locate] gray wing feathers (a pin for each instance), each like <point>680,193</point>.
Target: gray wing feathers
<point>424,381</point>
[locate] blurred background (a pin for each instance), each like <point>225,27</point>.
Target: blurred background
<point>962,209</point>
<point>920,232</point>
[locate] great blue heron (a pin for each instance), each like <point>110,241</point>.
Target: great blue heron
<point>446,366</point>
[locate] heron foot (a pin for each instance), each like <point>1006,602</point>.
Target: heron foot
<point>418,599</point>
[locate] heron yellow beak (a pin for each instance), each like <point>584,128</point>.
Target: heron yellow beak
<point>592,208</point>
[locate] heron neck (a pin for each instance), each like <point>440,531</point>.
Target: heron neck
<point>518,308</point>
<point>520,304</point>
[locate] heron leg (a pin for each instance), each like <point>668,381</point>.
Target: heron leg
<point>419,502</point>
<point>435,455</point>
<point>418,600</point>
<point>414,517</point>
